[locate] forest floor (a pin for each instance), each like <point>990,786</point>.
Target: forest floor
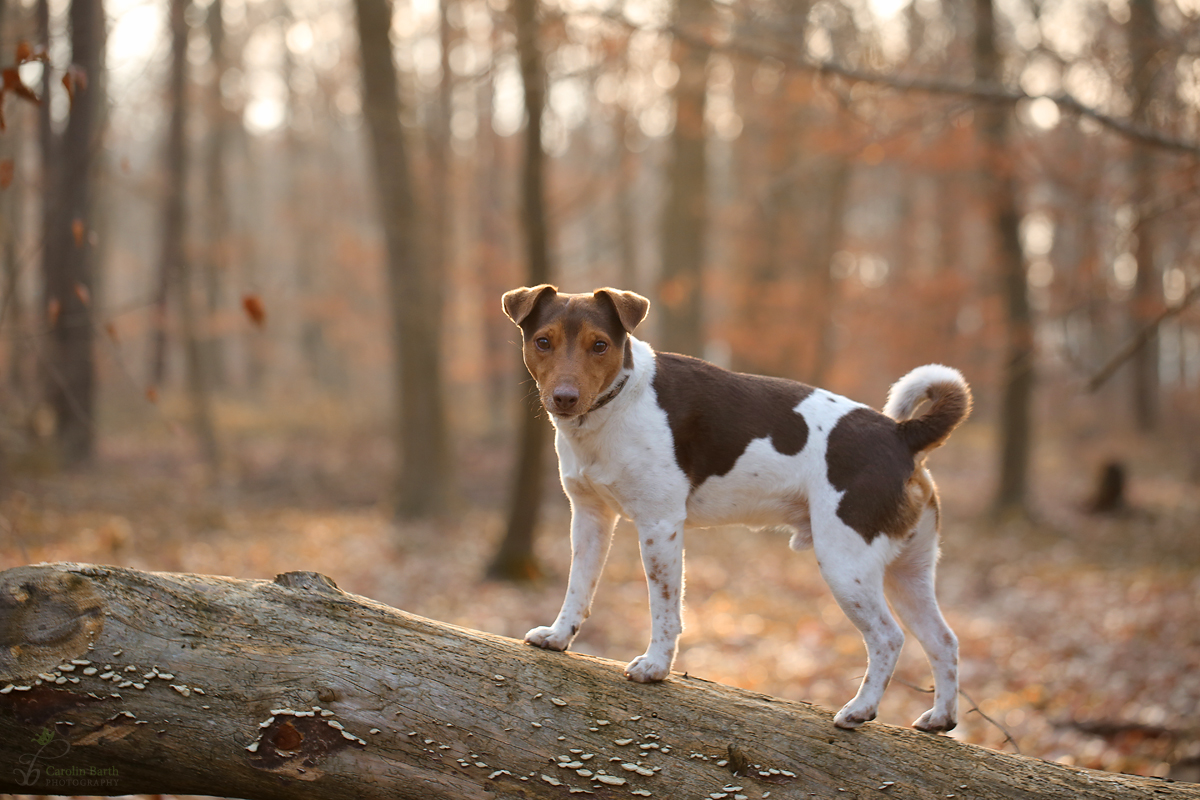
<point>1080,639</point>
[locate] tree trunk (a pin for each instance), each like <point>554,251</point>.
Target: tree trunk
<point>290,688</point>
<point>420,424</point>
<point>489,177</point>
<point>172,252</point>
<point>515,559</point>
<point>681,286</point>
<point>770,146</point>
<point>217,215</point>
<point>625,204</point>
<point>1147,290</point>
<point>12,310</point>
<point>10,283</point>
<point>175,273</point>
<point>51,222</point>
<point>69,257</point>
<point>824,289</point>
<point>305,209</point>
<point>999,189</point>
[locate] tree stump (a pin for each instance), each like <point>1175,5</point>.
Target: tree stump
<point>116,681</point>
<point>1108,497</point>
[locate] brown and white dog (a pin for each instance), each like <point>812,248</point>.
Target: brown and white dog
<point>672,442</point>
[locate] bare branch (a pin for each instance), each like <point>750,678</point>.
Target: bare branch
<point>1139,340</point>
<point>984,92</point>
<point>975,709</point>
<point>975,90</point>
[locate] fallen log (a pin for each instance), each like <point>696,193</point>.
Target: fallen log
<point>115,681</point>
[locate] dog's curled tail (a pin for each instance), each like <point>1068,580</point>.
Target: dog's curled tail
<point>950,403</point>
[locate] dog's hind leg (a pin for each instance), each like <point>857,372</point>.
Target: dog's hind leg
<point>910,587</point>
<point>854,570</point>
<point>592,524</point>
<point>662,557</point>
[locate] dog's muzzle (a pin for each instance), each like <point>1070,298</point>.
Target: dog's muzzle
<point>564,400</point>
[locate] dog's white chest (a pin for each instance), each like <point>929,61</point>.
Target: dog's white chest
<point>629,462</point>
<point>587,467</point>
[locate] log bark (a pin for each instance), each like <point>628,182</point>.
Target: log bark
<point>115,681</point>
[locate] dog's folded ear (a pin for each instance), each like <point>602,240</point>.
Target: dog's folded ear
<point>631,307</point>
<point>520,303</point>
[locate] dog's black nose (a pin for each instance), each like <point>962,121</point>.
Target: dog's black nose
<point>565,398</point>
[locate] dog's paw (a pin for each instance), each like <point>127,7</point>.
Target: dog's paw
<point>648,669</point>
<point>850,717</point>
<point>932,722</point>
<point>549,638</point>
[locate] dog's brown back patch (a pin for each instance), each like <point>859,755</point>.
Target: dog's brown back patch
<point>715,414</point>
<point>870,462</point>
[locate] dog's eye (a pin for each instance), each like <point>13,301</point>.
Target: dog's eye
<point>542,343</point>
<point>600,346</point>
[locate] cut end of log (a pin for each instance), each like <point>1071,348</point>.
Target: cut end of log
<point>49,616</point>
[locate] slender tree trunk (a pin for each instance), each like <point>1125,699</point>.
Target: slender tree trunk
<point>70,256</point>
<point>684,224</point>
<point>47,313</point>
<point>625,167</point>
<point>824,289</point>
<point>171,256</point>
<point>420,427</point>
<point>998,186</point>
<point>1147,290</point>
<point>10,307</point>
<point>438,143</point>
<point>770,144</point>
<point>305,215</point>
<point>490,174</point>
<point>426,485</point>
<point>515,558</point>
<point>175,273</point>
<point>216,268</point>
<point>12,311</point>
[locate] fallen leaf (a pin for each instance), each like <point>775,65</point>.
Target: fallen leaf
<point>13,83</point>
<point>152,394</point>
<point>75,80</point>
<point>53,309</point>
<point>7,172</point>
<point>255,309</point>
<point>78,231</point>
<point>83,294</point>
<point>27,52</point>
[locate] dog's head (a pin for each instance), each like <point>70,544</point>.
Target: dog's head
<point>575,345</point>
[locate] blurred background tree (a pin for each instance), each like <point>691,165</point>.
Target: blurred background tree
<point>311,234</point>
<point>515,559</point>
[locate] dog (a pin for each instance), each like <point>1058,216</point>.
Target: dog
<point>672,442</point>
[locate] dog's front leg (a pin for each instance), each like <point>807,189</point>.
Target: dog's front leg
<point>592,524</point>
<point>662,557</point>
